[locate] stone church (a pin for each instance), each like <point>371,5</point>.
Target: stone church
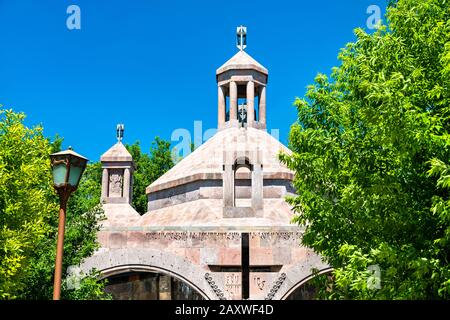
<point>218,225</point>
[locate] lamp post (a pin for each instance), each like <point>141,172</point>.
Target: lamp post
<point>67,168</point>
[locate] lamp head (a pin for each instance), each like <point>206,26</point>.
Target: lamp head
<point>67,169</point>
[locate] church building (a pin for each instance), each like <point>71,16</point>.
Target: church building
<point>218,225</point>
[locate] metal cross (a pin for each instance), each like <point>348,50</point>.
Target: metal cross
<point>241,34</point>
<point>119,131</point>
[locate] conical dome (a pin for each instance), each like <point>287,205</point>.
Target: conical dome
<point>242,61</point>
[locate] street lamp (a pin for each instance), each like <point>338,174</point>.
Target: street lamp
<point>67,168</point>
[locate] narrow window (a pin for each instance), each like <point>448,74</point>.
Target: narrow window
<point>242,183</point>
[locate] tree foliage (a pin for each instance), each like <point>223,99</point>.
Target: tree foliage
<point>371,156</point>
<point>84,215</point>
<point>29,216</point>
<point>149,167</point>
<point>26,199</point>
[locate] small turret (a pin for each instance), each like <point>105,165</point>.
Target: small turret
<point>118,167</point>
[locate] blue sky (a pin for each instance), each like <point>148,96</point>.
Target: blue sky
<point>150,64</point>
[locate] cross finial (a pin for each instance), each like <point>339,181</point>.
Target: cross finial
<point>119,131</point>
<point>241,34</point>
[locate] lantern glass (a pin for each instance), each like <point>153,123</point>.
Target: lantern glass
<point>67,160</point>
<point>59,174</point>
<point>75,175</point>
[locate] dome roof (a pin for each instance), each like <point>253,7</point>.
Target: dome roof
<point>206,214</point>
<point>206,162</point>
<point>242,61</point>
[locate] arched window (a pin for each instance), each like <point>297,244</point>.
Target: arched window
<point>242,189</point>
<point>242,183</point>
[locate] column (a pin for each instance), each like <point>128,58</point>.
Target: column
<point>221,107</point>
<point>105,181</point>
<point>250,103</point>
<point>126,184</point>
<point>257,187</point>
<point>233,101</point>
<point>262,107</point>
<point>131,186</point>
<point>228,186</point>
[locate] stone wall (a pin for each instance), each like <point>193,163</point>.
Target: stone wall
<point>212,189</point>
<point>208,259</point>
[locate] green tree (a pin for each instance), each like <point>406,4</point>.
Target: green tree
<point>371,152</point>
<point>29,216</point>
<point>149,167</point>
<point>26,199</point>
<point>84,215</point>
<point>29,211</point>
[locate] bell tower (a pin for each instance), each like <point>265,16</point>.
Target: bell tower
<point>242,85</point>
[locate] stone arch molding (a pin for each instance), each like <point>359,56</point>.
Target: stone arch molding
<point>116,261</point>
<point>303,281</point>
<point>298,274</point>
<point>251,157</point>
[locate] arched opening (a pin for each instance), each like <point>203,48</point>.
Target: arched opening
<point>242,183</point>
<point>146,285</point>
<point>311,287</point>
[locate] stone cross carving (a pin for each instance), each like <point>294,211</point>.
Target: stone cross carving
<point>245,270</point>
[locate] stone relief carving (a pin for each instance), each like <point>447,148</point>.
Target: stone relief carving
<point>187,235</point>
<point>115,183</point>
<point>276,286</point>
<point>233,284</point>
<point>214,287</point>
<point>259,282</point>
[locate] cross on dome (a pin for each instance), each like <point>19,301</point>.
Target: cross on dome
<point>241,34</point>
